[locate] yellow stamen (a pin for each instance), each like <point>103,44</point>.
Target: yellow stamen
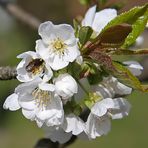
<point>59,46</point>
<point>41,97</point>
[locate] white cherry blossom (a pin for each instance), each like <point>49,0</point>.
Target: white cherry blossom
<point>65,86</point>
<point>32,66</point>
<point>110,87</point>
<point>98,122</point>
<point>96,127</point>
<point>58,45</point>
<point>38,102</point>
<point>98,20</point>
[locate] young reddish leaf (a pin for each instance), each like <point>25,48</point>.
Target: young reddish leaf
<point>103,59</point>
<point>115,35</point>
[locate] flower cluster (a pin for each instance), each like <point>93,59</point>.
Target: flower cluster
<point>62,80</point>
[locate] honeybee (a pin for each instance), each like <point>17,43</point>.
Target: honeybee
<point>35,66</point>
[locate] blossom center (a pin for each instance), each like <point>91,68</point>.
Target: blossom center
<point>41,97</point>
<point>35,66</point>
<point>94,97</point>
<point>59,46</point>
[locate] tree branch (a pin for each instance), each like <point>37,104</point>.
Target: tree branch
<point>7,73</point>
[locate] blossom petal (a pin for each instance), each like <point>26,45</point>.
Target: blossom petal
<point>28,53</point>
<point>73,124</point>
<point>100,108</point>
<point>28,87</point>
<point>102,18</point>
<point>47,87</point>
<point>42,49</point>
<point>46,31</point>
<point>39,122</point>
<point>104,91</point>
<point>89,17</point>
<point>29,114</point>
<point>48,73</point>
<point>65,32</point>
<point>72,53</point>
<point>121,109</point>
<point>57,135</point>
<point>69,86</point>
<point>27,102</point>
<point>120,89</point>
<point>96,128</point>
<point>53,113</point>
<point>22,74</point>
<point>12,103</point>
<point>57,62</point>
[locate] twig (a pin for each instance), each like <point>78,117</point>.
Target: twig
<point>20,14</point>
<point>7,73</point>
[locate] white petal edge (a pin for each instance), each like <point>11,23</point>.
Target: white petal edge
<point>89,16</point>
<point>12,103</point>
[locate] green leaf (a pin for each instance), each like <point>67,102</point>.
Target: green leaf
<point>124,75</point>
<point>85,34</point>
<point>75,69</point>
<point>128,17</point>
<point>137,17</point>
<point>138,27</point>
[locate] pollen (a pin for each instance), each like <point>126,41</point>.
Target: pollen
<point>41,97</point>
<point>59,46</point>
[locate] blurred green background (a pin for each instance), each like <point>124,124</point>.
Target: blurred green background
<point>15,38</point>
